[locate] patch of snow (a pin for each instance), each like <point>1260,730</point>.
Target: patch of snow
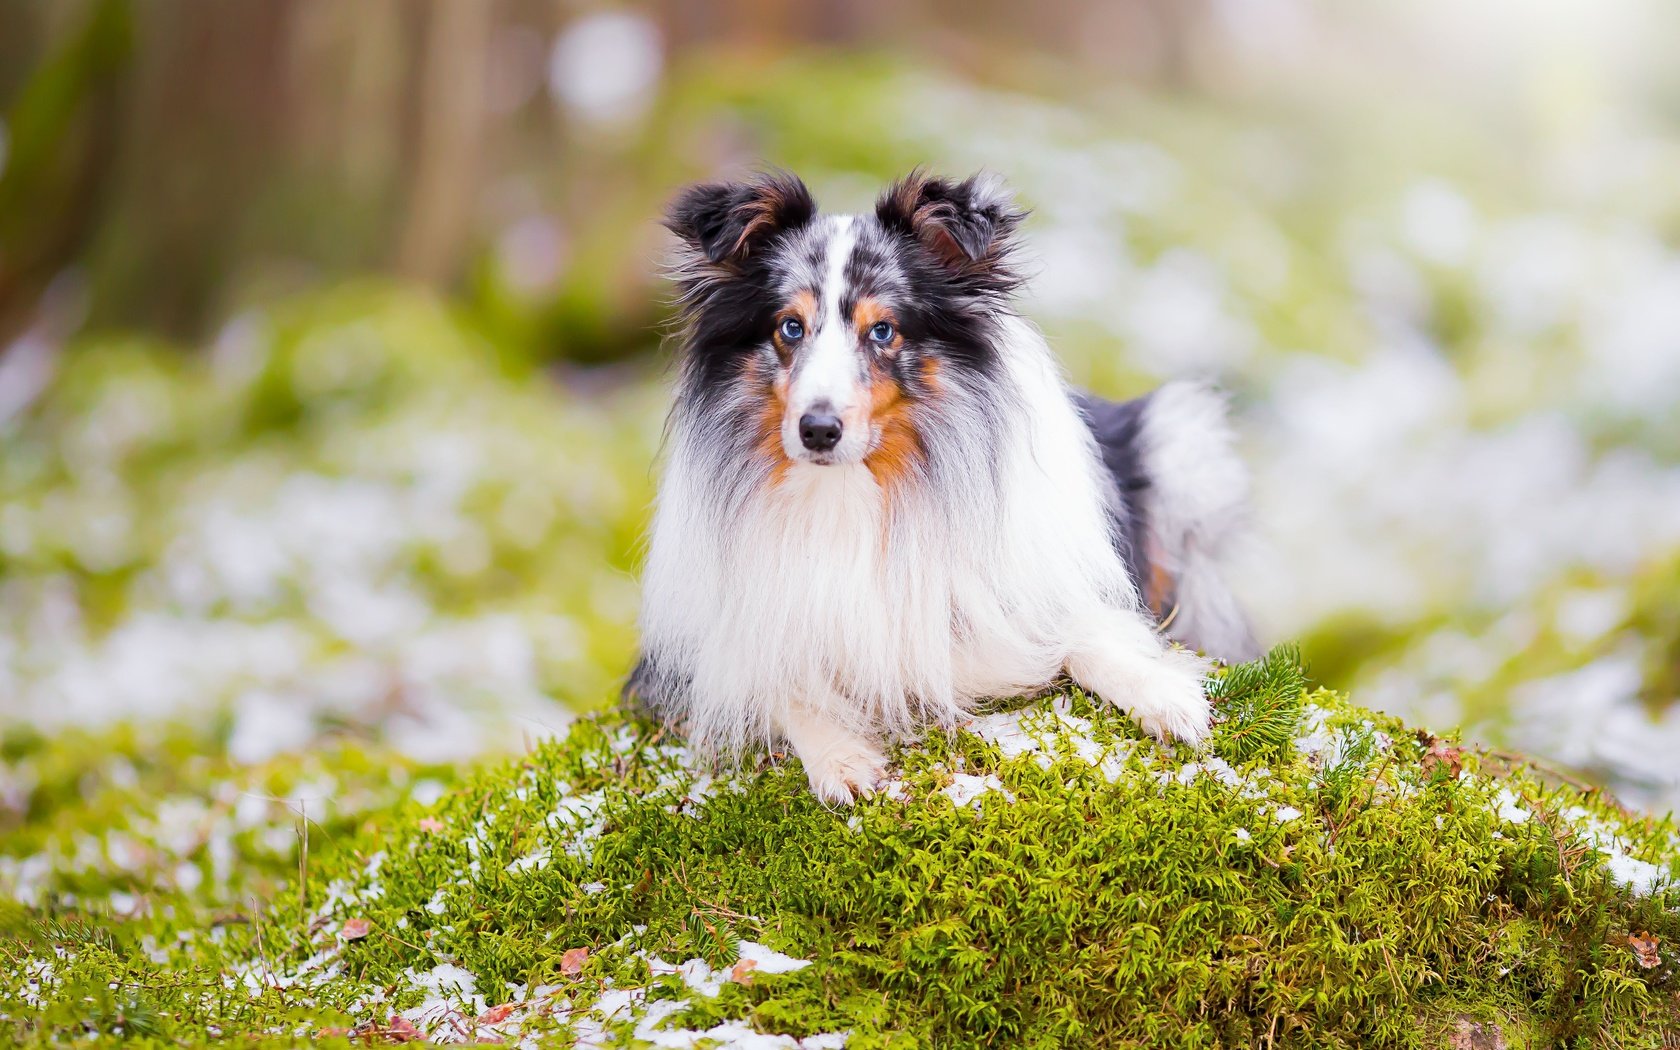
<point>965,788</point>
<point>766,960</point>
<point>1510,808</point>
<point>1044,733</point>
<point>1213,766</point>
<point>451,999</point>
<point>451,1008</point>
<point>1316,738</point>
<point>537,859</point>
<point>1640,876</point>
<point>1005,730</point>
<point>578,816</point>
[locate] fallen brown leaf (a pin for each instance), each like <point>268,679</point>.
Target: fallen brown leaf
<point>1644,947</point>
<point>1444,756</point>
<point>400,1030</point>
<point>497,1014</point>
<point>741,972</point>
<point>354,929</point>
<point>573,960</point>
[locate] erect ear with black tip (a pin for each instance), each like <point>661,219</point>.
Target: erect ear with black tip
<point>727,221</point>
<point>968,226</point>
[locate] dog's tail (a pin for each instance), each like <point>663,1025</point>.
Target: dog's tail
<point>1183,510</point>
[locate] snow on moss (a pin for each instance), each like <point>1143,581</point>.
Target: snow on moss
<point>1049,876</point>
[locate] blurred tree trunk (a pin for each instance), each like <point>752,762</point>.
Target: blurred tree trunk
<point>232,143</point>
<point>447,139</point>
<point>62,133</point>
<point>208,131</point>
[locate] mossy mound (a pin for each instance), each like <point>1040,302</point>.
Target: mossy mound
<point>1047,877</point>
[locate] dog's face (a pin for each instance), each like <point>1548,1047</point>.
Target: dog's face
<point>833,333</point>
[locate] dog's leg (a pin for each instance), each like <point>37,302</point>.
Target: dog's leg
<point>840,764</point>
<point>1125,662</point>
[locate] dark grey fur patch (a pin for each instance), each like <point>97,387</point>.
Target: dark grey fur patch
<point>1118,427</point>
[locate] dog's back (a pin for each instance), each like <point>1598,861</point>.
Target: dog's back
<point>1182,510</point>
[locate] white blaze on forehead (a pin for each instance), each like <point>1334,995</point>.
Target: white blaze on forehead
<point>828,368</point>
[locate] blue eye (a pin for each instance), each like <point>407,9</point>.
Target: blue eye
<point>792,331</point>
<point>882,332</point>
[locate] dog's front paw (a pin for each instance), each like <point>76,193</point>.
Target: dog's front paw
<point>1170,702</point>
<point>844,771</point>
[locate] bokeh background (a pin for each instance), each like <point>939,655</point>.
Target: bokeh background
<point>331,371</point>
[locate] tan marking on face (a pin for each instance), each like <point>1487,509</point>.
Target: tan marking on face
<point>802,308</point>
<point>897,451</point>
<point>772,388</point>
<point>866,315</point>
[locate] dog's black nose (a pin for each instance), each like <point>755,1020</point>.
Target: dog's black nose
<point>819,431</point>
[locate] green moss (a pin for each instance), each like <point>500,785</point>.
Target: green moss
<point>1330,888</point>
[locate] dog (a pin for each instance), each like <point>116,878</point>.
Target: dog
<point>883,503</point>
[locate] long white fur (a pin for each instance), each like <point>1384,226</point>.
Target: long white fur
<point>827,612</point>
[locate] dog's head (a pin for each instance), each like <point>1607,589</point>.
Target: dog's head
<point>834,332</point>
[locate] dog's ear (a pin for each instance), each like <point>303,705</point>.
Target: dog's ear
<point>726,221</point>
<point>968,226</point>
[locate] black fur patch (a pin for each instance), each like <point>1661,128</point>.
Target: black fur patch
<point>729,221</point>
<point>1118,427</point>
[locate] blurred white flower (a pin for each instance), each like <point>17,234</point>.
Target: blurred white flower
<point>1584,615</point>
<point>531,254</point>
<point>605,67</point>
<point>1081,267</point>
<point>266,724</point>
<point>1278,31</point>
<point>1570,716</point>
<point>1438,223</point>
<point>240,350</point>
<point>1531,271</point>
<point>1180,319</point>
<point>1633,337</point>
<point>26,367</point>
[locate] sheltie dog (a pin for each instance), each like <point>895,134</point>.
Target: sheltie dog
<point>883,503</point>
